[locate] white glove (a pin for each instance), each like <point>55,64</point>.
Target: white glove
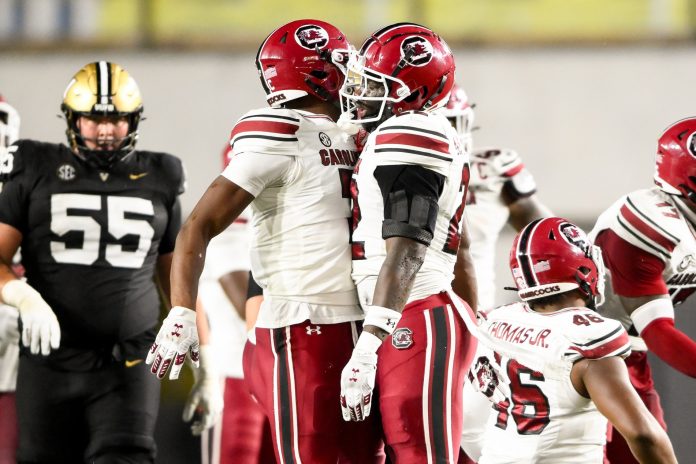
<point>486,376</point>
<point>9,327</point>
<point>177,337</point>
<point>206,398</point>
<point>40,328</point>
<point>358,378</point>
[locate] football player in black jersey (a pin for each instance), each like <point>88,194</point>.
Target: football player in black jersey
<point>96,221</point>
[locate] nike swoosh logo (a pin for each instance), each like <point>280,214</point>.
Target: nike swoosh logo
<point>137,176</point>
<point>134,362</point>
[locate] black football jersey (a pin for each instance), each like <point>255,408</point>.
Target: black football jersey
<point>91,238</point>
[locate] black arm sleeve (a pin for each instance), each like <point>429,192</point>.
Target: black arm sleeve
<point>410,195</point>
<point>253,289</point>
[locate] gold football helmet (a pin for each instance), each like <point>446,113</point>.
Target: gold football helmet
<point>102,89</point>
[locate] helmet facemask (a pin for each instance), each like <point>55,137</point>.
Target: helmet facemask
<point>367,96</point>
<point>9,124</point>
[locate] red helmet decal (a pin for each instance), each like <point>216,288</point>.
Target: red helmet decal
<point>416,51</point>
<point>691,148</point>
<point>312,37</point>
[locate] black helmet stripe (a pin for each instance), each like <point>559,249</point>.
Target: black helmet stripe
<point>104,82</point>
<point>264,84</point>
<point>522,252</point>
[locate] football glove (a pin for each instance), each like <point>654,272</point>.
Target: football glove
<point>486,376</point>
<point>206,397</point>
<point>358,378</point>
<point>177,338</point>
<point>40,328</point>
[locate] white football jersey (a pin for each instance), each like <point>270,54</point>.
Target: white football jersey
<point>9,352</point>
<point>656,223</point>
<point>487,213</point>
<point>546,420</point>
<point>422,139</point>
<point>227,252</point>
<point>300,251</point>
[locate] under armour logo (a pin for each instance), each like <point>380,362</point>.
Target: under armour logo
<point>177,330</point>
<point>391,323</point>
<point>315,330</point>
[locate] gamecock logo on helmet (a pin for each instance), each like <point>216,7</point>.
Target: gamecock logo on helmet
<point>312,37</point>
<point>416,51</point>
<point>691,144</point>
<point>574,236</point>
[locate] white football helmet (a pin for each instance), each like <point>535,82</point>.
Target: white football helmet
<point>9,124</point>
<point>461,115</point>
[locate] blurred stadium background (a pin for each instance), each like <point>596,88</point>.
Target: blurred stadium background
<point>581,88</point>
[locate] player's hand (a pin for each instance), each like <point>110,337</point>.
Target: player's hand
<point>177,337</point>
<point>206,398</point>
<point>40,328</point>
<point>358,379</point>
<point>486,376</point>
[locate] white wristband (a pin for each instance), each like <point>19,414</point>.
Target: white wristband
<point>368,342</point>
<point>207,360</point>
<point>656,309</point>
<point>17,293</point>
<point>384,318</point>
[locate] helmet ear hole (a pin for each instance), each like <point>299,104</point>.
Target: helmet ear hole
<point>319,74</point>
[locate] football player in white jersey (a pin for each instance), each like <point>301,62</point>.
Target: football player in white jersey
<point>647,238</point>
<point>408,199</point>
<point>562,362</point>
<point>9,332</point>
<point>501,190</point>
<point>292,163</point>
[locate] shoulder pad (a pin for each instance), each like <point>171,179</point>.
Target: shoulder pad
<point>23,156</point>
<point>416,138</point>
<point>174,169</point>
<point>267,130</point>
<point>591,336</point>
<point>500,162</point>
<point>647,219</point>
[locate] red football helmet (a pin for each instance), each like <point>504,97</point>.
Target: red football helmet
<point>9,124</point>
<point>298,59</point>
<point>399,68</point>
<point>675,162</point>
<point>461,114</point>
<point>551,256</point>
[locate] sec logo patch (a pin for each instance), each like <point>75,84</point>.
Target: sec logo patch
<point>402,338</point>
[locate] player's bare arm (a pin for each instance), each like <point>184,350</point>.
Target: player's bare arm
<point>464,283</point>
<point>404,258</point>
<point>606,382</point>
<point>221,204</point>
<point>525,210</point>
<point>10,238</point>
